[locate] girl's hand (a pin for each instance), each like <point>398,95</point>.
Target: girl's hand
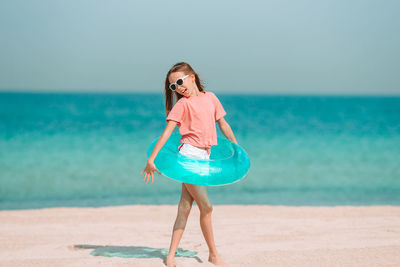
<point>150,169</point>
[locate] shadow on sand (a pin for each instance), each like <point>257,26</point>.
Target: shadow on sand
<point>135,252</point>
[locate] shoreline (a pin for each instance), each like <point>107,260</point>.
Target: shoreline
<point>245,235</point>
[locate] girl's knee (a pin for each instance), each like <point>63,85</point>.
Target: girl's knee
<point>206,209</point>
<point>184,209</point>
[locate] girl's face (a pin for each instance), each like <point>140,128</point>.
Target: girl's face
<point>188,88</point>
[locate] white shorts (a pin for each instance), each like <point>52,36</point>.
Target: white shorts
<point>203,168</point>
<point>194,152</point>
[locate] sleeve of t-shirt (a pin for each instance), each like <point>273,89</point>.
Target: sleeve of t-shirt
<point>219,109</point>
<point>177,112</point>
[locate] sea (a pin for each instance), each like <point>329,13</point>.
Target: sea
<point>88,150</point>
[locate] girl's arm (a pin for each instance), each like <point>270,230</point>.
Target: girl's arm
<point>162,140</point>
<point>150,167</point>
<point>226,130</point>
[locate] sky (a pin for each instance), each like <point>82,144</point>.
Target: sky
<point>332,47</point>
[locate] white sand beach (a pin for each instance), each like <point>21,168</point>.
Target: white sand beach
<point>245,236</point>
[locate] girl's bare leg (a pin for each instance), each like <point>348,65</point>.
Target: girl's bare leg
<point>199,194</point>
<point>184,207</point>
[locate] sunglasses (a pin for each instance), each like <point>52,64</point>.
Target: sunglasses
<point>179,82</point>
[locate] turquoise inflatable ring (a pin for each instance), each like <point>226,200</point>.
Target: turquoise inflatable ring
<point>228,163</point>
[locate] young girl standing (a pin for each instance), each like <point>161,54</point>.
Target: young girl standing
<point>195,113</point>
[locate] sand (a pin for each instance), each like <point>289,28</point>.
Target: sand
<point>245,236</point>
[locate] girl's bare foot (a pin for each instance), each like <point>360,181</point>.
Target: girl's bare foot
<point>170,261</point>
<point>217,260</point>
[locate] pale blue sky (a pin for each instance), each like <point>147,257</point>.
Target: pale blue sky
<point>271,47</point>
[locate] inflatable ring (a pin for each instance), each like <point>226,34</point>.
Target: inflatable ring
<point>228,163</point>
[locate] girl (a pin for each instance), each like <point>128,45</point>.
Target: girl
<point>195,113</point>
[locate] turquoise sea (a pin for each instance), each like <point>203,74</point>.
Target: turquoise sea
<point>81,149</point>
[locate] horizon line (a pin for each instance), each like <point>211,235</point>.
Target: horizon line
<point>41,91</point>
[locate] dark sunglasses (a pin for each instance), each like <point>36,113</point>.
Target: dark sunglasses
<point>179,82</point>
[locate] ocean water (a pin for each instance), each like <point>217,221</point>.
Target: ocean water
<point>89,150</point>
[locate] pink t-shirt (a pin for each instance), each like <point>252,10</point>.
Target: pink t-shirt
<point>196,117</point>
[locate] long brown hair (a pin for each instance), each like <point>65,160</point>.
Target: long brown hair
<point>187,69</point>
